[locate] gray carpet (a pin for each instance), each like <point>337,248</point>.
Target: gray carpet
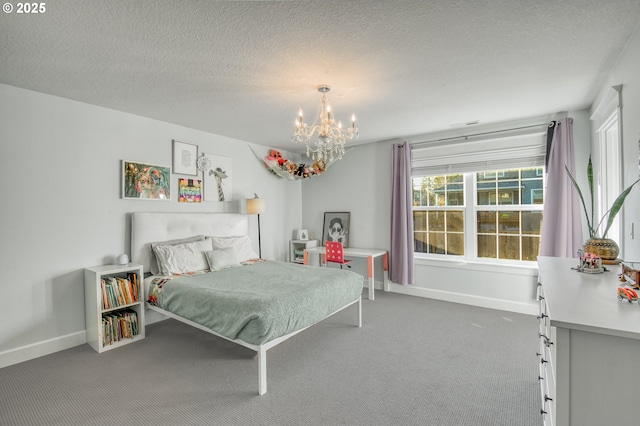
<point>414,362</point>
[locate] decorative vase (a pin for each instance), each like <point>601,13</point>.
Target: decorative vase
<point>606,248</point>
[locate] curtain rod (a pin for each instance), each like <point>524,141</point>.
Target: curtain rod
<point>481,134</point>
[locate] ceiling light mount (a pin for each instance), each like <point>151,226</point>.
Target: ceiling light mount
<point>325,138</point>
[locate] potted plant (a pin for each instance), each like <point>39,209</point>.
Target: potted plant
<point>598,243</point>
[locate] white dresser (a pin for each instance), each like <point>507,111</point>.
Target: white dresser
<point>589,348</point>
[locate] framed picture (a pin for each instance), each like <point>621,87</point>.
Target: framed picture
<point>218,178</point>
<point>336,227</point>
<point>189,190</point>
<point>185,157</point>
<point>303,234</point>
<point>141,181</point>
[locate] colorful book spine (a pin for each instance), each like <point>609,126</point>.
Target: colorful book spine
<point>119,325</point>
<point>118,291</point>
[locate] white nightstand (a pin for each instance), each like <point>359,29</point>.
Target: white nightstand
<point>297,248</point>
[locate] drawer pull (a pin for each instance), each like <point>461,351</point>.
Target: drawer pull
<point>540,378</point>
<point>540,298</point>
<point>543,335</point>
<point>541,316</point>
<point>543,361</point>
<point>543,412</point>
<point>546,398</point>
<point>548,342</point>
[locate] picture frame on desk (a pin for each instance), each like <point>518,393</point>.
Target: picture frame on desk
<point>336,227</point>
<point>302,234</point>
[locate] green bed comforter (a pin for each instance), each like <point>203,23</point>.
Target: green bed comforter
<point>258,302</point>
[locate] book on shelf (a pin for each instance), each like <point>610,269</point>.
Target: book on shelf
<point>119,325</point>
<point>119,291</point>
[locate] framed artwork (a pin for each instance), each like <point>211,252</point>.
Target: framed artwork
<point>218,178</point>
<point>141,181</point>
<point>185,156</point>
<point>303,234</point>
<point>189,190</point>
<point>336,227</point>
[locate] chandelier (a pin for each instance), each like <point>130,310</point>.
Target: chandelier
<point>325,139</point>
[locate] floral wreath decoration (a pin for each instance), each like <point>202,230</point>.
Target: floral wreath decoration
<point>291,170</point>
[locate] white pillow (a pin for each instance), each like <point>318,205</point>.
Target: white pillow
<point>222,259</point>
<point>153,267</point>
<point>242,245</point>
<point>182,258</point>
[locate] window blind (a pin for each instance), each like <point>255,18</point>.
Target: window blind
<point>487,154</point>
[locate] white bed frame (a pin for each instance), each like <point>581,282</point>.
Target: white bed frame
<point>151,227</point>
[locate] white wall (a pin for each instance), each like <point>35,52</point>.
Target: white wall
<point>627,73</point>
<point>361,183</point>
<point>60,164</point>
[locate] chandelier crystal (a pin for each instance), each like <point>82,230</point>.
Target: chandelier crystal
<point>325,139</point>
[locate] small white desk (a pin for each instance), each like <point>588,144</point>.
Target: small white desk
<point>370,254</point>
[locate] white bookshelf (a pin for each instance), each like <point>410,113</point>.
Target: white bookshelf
<point>297,247</point>
<point>94,304</point>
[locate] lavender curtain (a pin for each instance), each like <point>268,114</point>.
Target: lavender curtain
<point>561,222</point>
<point>401,262</point>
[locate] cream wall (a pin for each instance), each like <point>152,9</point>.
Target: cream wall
<point>62,211</point>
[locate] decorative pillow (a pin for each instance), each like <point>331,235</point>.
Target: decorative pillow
<point>222,259</point>
<point>153,267</point>
<point>242,245</point>
<point>182,258</point>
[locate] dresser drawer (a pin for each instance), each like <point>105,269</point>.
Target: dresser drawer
<point>546,360</point>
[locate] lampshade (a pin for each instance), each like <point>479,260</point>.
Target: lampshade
<point>255,205</point>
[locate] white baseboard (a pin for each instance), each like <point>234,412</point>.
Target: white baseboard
<point>38,349</point>
<point>466,299</point>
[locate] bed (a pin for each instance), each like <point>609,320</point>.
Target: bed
<point>255,303</point>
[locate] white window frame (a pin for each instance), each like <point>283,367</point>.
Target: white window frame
<point>471,209</point>
<point>608,180</point>
<point>607,161</point>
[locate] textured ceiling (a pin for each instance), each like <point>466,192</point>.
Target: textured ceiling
<point>242,68</point>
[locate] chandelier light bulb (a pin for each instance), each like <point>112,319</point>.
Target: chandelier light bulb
<point>325,139</point>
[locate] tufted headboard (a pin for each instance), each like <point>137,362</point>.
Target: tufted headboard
<point>147,228</point>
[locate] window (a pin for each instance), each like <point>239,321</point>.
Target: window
<point>480,197</point>
<point>607,171</point>
<point>608,179</point>
<point>485,215</point>
<point>438,219</point>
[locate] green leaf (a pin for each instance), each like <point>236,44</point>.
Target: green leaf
<point>615,208</point>
<point>590,180</point>
<point>584,206</point>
